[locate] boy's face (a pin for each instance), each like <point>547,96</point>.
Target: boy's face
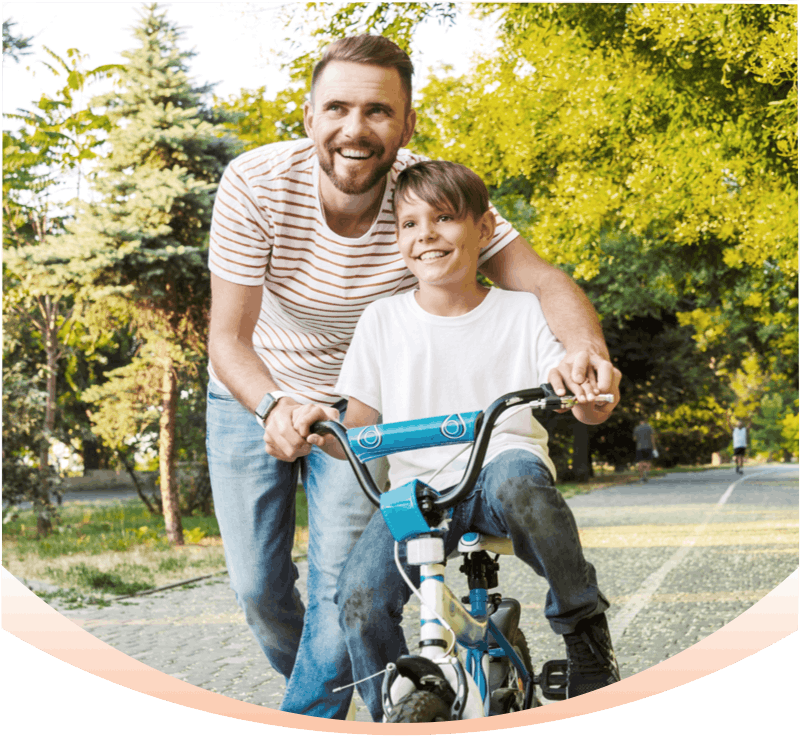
<point>437,248</point>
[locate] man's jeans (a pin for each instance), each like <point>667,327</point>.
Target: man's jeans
<point>513,497</point>
<point>254,500</point>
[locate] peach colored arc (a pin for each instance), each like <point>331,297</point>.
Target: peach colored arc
<point>33,621</point>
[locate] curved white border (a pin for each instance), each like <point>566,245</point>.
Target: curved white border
<point>30,619</point>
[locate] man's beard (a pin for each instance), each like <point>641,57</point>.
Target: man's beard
<point>349,185</point>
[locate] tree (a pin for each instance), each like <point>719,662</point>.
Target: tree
<point>673,124</point>
<point>14,46</point>
<point>54,140</point>
<point>144,237</point>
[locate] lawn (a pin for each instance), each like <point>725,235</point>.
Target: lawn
<point>104,550</point>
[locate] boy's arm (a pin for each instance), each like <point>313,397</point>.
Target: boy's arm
<point>586,369</point>
<point>358,415</point>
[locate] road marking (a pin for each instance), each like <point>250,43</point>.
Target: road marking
<point>620,622</point>
<point>725,496</point>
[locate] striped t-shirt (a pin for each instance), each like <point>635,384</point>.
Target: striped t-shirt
<point>268,229</point>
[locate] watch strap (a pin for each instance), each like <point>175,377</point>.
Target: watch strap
<point>267,404</point>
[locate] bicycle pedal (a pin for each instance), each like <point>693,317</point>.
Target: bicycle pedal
<point>553,679</point>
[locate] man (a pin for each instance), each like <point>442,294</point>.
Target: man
<point>302,240</point>
<point>645,442</point>
<point>739,445</point>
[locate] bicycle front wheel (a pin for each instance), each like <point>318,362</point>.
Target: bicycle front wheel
<point>421,706</point>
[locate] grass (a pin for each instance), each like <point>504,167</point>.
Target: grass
<point>104,550</point>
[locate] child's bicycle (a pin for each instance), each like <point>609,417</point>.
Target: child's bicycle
<point>472,662</point>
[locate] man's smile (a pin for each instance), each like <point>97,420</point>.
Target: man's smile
<point>355,153</point>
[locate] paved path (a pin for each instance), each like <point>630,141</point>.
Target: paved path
<point>678,557</point>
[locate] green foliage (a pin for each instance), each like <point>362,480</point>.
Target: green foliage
<point>326,22</point>
<point>774,432</point>
<point>671,126</point>
<point>145,234</point>
<point>52,142</point>
<point>14,46</point>
<point>24,477</point>
<point>257,121</point>
<point>142,241</point>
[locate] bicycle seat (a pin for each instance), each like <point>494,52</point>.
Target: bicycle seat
<point>475,542</point>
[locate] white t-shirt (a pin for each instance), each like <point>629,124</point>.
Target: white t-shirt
<point>409,364</point>
<point>268,229</point>
<point>739,437</point>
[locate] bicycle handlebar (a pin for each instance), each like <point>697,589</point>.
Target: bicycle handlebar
<point>419,433</point>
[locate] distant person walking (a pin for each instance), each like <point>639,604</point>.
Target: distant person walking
<point>739,445</point>
<point>645,443</point>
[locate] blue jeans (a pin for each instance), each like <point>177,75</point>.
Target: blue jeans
<point>254,500</point>
<point>513,497</point>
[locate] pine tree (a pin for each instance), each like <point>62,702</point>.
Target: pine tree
<point>144,236</point>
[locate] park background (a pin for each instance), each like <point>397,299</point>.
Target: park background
<point>648,149</point>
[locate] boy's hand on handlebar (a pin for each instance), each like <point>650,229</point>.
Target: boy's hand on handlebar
<point>305,415</point>
<point>585,374</point>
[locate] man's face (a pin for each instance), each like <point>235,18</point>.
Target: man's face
<point>359,118</point>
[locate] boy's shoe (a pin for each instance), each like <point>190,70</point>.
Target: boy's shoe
<point>591,663</point>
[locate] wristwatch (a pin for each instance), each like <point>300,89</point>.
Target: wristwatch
<point>267,404</point>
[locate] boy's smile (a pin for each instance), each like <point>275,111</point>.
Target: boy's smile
<point>439,249</point>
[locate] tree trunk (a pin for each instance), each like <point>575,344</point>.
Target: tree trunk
<point>49,327</point>
<point>166,453</point>
<point>151,507</point>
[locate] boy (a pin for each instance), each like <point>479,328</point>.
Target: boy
<point>454,346</point>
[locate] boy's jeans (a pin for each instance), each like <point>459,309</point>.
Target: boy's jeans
<point>513,497</point>
<point>254,500</point>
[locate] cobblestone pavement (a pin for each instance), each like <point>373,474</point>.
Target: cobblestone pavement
<point>676,561</point>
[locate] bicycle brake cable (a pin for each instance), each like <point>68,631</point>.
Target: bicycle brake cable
<point>421,599</point>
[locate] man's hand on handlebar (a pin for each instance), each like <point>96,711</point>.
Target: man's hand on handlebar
<point>585,374</point>
<point>281,439</point>
<point>599,377</point>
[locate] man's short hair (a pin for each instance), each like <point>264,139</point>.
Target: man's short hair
<point>366,49</point>
<point>446,185</point>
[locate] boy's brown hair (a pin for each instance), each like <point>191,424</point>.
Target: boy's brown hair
<point>445,185</point>
<point>367,49</point>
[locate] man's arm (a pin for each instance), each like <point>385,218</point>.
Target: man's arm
<point>586,369</point>
<point>234,313</point>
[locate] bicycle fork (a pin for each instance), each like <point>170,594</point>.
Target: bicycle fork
<point>443,622</point>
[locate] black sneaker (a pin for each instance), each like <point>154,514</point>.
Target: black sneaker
<point>591,663</point>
